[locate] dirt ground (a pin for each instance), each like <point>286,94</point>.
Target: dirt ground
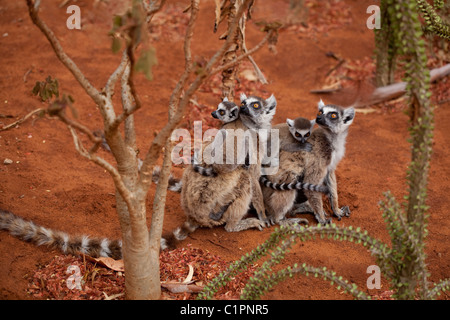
<point>51,184</point>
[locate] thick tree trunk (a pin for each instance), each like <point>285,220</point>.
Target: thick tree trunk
<point>229,75</point>
<point>141,264</point>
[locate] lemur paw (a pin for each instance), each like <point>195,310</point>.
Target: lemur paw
<point>324,221</point>
<point>293,221</point>
<point>345,211</point>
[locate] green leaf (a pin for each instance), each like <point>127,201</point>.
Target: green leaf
<point>116,45</point>
<point>145,63</point>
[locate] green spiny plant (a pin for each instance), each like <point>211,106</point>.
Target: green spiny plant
<point>434,22</point>
<point>403,262</point>
<point>389,40</point>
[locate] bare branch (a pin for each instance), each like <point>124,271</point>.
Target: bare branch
<point>15,123</point>
<point>62,56</point>
<point>183,102</point>
<point>175,97</point>
<point>130,99</point>
<point>130,132</point>
<point>118,182</point>
<point>72,123</point>
<point>259,74</point>
<point>110,85</point>
<point>243,56</point>
<point>152,8</point>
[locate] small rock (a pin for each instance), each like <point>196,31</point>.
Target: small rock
<point>7,161</point>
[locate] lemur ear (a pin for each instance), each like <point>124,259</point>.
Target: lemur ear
<point>234,112</point>
<point>271,102</point>
<point>290,122</point>
<point>225,99</point>
<point>243,97</point>
<point>320,104</point>
<point>313,122</point>
<point>349,115</point>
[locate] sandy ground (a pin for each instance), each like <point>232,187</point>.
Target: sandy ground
<point>51,184</point>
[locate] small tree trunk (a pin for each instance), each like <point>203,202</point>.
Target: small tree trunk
<point>142,267</point>
<point>229,75</point>
<point>141,281</point>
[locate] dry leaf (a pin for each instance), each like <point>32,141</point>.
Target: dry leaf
<point>181,287</point>
<point>218,13</point>
<point>116,265</point>
<point>190,274</point>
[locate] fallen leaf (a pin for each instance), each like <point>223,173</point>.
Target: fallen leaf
<point>181,287</point>
<point>116,265</point>
<point>190,274</point>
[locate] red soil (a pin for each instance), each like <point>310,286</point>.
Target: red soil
<point>51,184</point>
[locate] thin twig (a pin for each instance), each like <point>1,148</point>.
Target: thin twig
<point>118,182</point>
<point>110,85</point>
<point>163,135</point>
<point>15,123</point>
<point>129,109</point>
<point>175,97</point>
<point>258,71</point>
<point>62,56</point>
<point>243,56</point>
<point>151,8</point>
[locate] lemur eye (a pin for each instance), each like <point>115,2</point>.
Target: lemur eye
<point>297,134</point>
<point>333,116</point>
<point>221,112</point>
<point>256,105</point>
<point>307,135</point>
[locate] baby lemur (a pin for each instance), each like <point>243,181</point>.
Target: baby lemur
<point>230,192</point>
<point>300,129</point>
<point>315,167</point>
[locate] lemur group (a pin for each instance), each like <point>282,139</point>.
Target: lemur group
<point>244,195</point>
<point>250,193</point>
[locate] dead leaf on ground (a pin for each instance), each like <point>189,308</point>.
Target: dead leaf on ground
<point>116,265</point>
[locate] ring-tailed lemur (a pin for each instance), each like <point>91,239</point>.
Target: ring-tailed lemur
<point>316,167</point>
<point>300,129</point>
<point>226,112</point>
<point>231,192</point>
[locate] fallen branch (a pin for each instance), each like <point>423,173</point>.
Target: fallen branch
<point>15,123</point>
<point>386,93</point>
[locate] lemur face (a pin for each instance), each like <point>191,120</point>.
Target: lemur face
<point>226,111</point>
<point>300,128</point>
<point>334,118</point>
<point>257,110</point>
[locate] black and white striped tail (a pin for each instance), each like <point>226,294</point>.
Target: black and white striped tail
<point>175,184</point>
<point>207,172</point>
<point>68,244</point>
<point>292,186</point>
